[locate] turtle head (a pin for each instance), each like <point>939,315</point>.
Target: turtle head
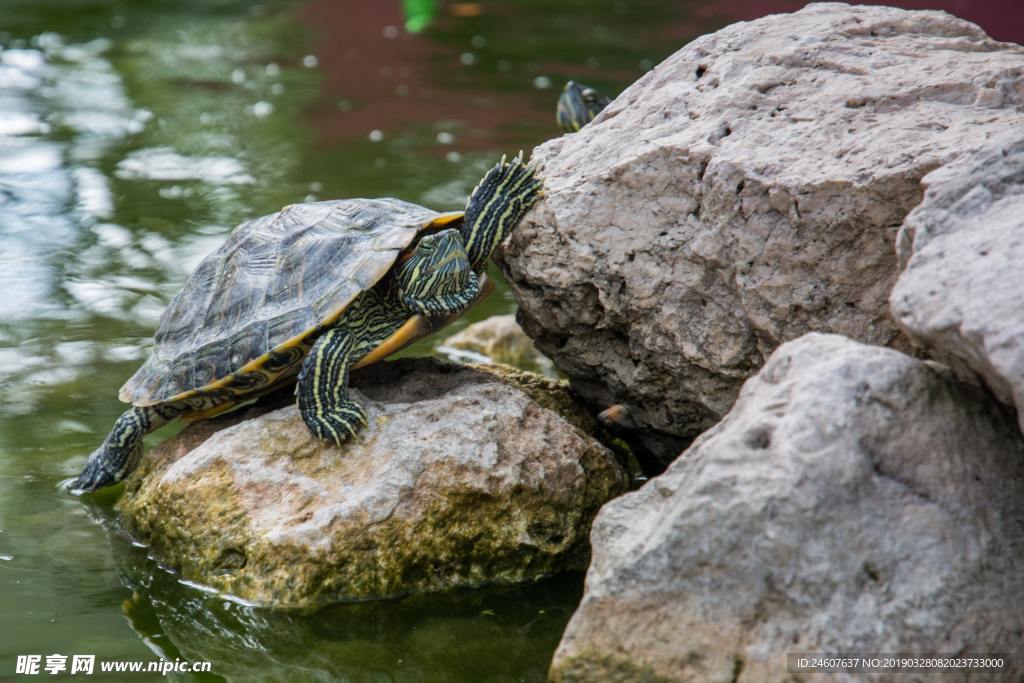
<point>436,268</point>
<point>578,105</point>
<point>438,254</point>
<point>496,206</point>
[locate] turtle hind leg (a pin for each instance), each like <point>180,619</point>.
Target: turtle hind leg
<point>322,389</point>
<point>121,451</point>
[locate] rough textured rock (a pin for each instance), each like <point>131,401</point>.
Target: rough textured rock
<point>498,339</point>
<point>853,500</point>
<point>961,292</point>
<point>744,192</point>
<point>462,478</point>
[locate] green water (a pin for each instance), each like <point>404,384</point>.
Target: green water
<point>133,136</point>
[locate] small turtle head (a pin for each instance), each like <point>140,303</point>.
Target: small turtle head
<point>442,251</point>
<point>437,264</point>
<point>578,105</point>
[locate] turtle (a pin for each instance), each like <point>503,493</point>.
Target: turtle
<point>578,105</point>
<point>305,295</point>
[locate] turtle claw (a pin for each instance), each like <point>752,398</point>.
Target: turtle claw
<point>107,465</point>
<point>339,425</point>
<point>94,475</point>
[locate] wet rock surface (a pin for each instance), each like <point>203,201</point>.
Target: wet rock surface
<point>746,191</point>
<point>962,288</point>
<point>463,478</point>
<point>853,500</point>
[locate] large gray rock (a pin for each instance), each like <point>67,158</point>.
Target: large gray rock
<point>961,292</point>
<point>744,192</point>
<point>462,478</point>
<point>853,500</point>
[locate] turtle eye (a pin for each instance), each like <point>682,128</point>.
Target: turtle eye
<point>590,95</point>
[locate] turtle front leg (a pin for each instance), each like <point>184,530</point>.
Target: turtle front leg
<point>438,303</point>
<point>438,282</point>
<point>121,451</point>
<point>322,389</point>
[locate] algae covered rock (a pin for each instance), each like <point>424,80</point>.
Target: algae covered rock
<point>854,500</point>
<point>746,191</point>
<point>462,478</point>
<point>962,289</point>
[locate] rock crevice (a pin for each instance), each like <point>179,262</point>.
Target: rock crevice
<point>962,252</point>
<point>853,500</point>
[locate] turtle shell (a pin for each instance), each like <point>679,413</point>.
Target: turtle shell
<point>274,283</point>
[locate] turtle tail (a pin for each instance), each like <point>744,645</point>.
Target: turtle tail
<point>498,203</point>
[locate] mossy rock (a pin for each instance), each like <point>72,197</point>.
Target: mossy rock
<point>465,476</point>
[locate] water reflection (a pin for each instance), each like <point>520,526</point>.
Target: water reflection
<point>62,107</point>
<point>163,163</point>
<point>493,634</point>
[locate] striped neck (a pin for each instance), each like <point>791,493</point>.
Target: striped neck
<point>496,206</point>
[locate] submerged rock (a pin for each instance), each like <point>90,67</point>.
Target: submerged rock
<point>462,478</point>
<point>744,192</point>
<point>961,293</point>
<point>498,339</point>
<point>497,633</point>
<point>853,500</point>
